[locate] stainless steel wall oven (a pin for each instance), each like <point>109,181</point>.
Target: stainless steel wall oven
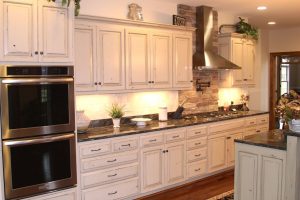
<point>37,129</point>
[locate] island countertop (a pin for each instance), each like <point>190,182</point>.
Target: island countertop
<point>104,132</point>
<point>275,139</point>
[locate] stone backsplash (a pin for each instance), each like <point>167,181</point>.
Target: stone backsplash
<point>207,100</point>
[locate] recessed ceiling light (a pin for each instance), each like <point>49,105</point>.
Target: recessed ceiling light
<point>271,23</point>
<point>262,8</point>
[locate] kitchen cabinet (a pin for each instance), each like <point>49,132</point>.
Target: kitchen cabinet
<point>231,147</point>
<point>182,58</point>
<point>259,173</point>
<point>217,151</point>
<point>68,194</point>
<point>99,61</point>
<point>241,51</point>
<point>36,31</point>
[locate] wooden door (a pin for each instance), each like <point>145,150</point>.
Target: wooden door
<point>272,178</point>
<point>175,163</point>
<point>18,22</point>
<point>231,147</point>
<point>246,176</point>
<point>182,61</point>
<point>152,174</point>
<point>137,59</point>
<point>217,153</point>
<point>55,32</point>
<point>110,57</point>
<point>161,60</point>
<point>85,58</point>
<point>248,62</point>
<point>237,58</point>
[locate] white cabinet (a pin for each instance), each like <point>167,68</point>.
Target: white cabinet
<point>217,153</point>
<point>182,58</point>
<point>36,31</point>
<point>241,51</point>
<point>99,61</point>
<point>231,147</point>
<point>259,173</point>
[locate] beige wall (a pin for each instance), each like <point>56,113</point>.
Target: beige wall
<point>284,40</point>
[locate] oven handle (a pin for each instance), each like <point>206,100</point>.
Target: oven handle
<point>37,80</point>
<point>37,140</point>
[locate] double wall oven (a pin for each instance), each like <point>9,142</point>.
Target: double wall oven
<point>37,129</point>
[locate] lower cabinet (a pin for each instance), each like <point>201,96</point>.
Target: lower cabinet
<point>69,194</point>
<point>162,165</point>
<point>216,152</point>
<point>259,173</point>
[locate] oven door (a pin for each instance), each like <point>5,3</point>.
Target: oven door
<point>37,106</point>
<point>38,165</point>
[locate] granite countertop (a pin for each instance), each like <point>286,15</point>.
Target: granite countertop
<point>129,129</point>
<point>275,139</point>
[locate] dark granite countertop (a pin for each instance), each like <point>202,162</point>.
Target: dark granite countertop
<point>130,129</point>
<point>275,139</point>
<point>291,133</point>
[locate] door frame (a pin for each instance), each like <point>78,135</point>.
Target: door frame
<point>273,82</point>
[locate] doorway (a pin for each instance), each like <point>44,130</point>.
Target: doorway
<point>284,76</point>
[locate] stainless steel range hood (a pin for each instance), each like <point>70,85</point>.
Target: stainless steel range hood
<point>205,58</point>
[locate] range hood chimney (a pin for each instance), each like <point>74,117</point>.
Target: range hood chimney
<point>205,58</point>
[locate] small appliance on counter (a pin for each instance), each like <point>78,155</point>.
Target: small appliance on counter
<point>163,113</point>
<point>178,113</point>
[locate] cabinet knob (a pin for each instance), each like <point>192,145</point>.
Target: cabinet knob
<point>42,53</point>
<point>96,83</point>
<point>149,81</point>
<point>191,81</point>
<point>99,83</point>
<point>152,81</point>
<point>245,79</point>
<point>36,52</point>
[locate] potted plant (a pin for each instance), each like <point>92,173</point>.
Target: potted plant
<point>116,112</point>
<point>76,2</point>
<point>245,28</point>
<point>288,109</point>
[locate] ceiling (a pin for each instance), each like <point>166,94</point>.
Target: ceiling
<point>286,13</point>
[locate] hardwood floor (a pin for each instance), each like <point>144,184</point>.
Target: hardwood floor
<point>199,190</point>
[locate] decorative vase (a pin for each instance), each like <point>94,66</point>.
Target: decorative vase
<point>116,122</point>
<point>294,125</point>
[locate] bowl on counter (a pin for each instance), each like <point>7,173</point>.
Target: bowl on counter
<point>141,121</point>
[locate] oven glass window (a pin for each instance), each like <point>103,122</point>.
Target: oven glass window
<point>40,163</point>
<point>38,105</point>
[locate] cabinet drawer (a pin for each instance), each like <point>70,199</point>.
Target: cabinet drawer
<point>262,119</point>
<point>262,128</point>
<point>250,122</point>
<point>114,191</point>
<point>196,132</point>
<point>108,161</point>
<point>125,145</point>
<point>224,126</point>
<point>152,140</point>
<point>196,143</point>
<point>108,176</point>
<point>175,136</point>
<point>196,154</point>
<point>95,149</point>
<point>250,131</point>
<point>196,168</point>
<point>70,196</point>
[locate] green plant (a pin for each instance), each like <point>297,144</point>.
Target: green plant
<point>116,111</point>
<point>245,28</point>
<point>76,2</point>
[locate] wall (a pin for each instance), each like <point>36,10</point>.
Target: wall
<point>284,40</point>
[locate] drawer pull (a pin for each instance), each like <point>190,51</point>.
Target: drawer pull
<point>112,175</point>
<point>252,122</point>
<point>196,170</point>
<point>110,161</point>
<point>198,143</point>
<point>197,155</point>
<point>199,132</point>
<point>112,193</point>
<point>125,145</point>
<point>258,131</point>
<point>154,140</point>
<point>93,150</point>
<point>175,136</point>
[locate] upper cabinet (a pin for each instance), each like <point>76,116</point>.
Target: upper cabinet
<point>241,51</point>
<point>113,55</point>
<point>36,31</point>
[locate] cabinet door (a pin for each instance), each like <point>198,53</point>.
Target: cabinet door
<point>272,177</point>
<point>231,148</point>
<point>85,62</point>
<point>110,57</point>
<point>237,58</point>
<point>217,153</point>
<point>175,163</point>
<point>55,32</point>
<point>246,174</point>
<point>182,61</point>
<point>152,168</point>
<point>19,32</point>
<point>137,59</point>
<point>249,61</point>
<point>161,60</point>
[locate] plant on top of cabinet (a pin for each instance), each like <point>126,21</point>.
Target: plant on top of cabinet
<point>245,28</point>
<point>76,2</point>
<point>116,112</point>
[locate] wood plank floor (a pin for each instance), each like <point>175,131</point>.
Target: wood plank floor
<point>199,190</point>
